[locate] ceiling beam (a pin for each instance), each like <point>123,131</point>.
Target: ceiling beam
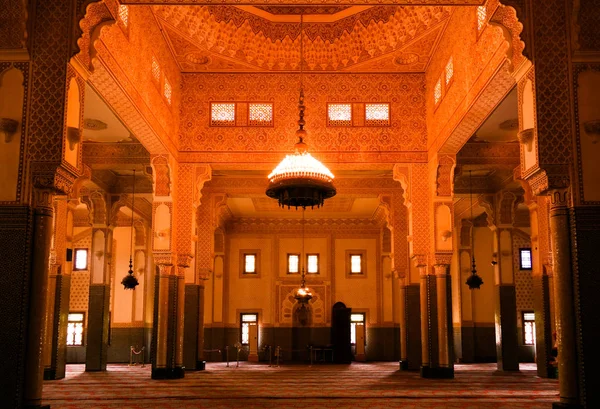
<point>310,2</point>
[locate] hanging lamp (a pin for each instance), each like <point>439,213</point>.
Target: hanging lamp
<point>301,180</point>
<point>130,281</point>
<point>303,294</point>
<point>474,281</point>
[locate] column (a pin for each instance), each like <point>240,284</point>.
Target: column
<point>96,351</point>
<point>55,352</point>
<point>428,300</point>
<point>568,376</point>
<point>410,325</point>
<point>166,363</point>
<point>42,237</point>
<point>541,274</point>
<point>444,321</point>
<point>507,344</point>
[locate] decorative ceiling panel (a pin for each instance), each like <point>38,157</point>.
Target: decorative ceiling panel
<point>286,10</point>
<point>225,38</point>
<point>308,2</point>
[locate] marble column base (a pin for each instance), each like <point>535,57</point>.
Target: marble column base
<point>437,372</point>
<point>168,373</point>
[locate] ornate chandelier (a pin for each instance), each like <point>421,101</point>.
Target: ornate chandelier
<point>303,294</point>
<point>474,281</point>
<point>301,180</point>
<point>130,281</point>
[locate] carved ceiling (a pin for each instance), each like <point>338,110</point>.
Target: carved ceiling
<point>266,39</point>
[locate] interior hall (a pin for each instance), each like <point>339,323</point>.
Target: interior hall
<point>299,203</point>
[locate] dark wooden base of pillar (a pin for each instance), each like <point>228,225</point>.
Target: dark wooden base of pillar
<point>403,365</point>
<point>168,373</point>
<point>199,366</point>
<point>560,405</point>
<point>437,373</point>
<point>49,374</point>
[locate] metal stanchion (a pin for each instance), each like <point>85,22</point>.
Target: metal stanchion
<point>277,353</point>
<point>310,351</point>
<point>269,348</point>
<point>227,355</point>
<point>132,353</point>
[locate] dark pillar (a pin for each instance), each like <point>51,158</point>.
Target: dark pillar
<point>165,350</point>
<point>58,345</point>
<point>585,233</point>
<point>38,288</point>
<point>15,242</point>
<point>193,352</point>
<point>543,328</point>
<point>411,337</point>
<point>96,351</point>
<point>507,345</point>
<point>568,374</point>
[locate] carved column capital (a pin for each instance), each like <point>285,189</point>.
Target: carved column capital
<point>184,260</point>
<point>559,198</point>
<point>203,274</point>
<point>419,260</point>
<point>442,259</point>
<point>441,269</point>
<point>526,138</point>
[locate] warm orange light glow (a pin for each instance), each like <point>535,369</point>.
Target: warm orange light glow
<point>300,165</point>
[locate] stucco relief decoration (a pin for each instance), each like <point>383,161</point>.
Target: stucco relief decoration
<point>97,15</point>
<point>251,43</point>
<point>403,91</point>
<point>288,305</point>
<point>162,176</point>
<point>444,177</point>
<point>506,18</point>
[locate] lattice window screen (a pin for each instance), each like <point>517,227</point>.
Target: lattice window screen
<point>260,114</point>
<point>339,115</point>
<point>124,14</point>
<point>377,114</point>
<point>481,16</point>
<point>222,114</point>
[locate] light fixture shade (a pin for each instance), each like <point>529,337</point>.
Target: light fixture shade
<point>301,180</point>
<point>303,295</point>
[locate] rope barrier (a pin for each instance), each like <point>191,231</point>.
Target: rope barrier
<point>133,353</point>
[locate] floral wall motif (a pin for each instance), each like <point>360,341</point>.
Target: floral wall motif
<point>404,92</point>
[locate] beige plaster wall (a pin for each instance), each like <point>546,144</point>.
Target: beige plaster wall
<point>361,293</point>
<point>121,300</point>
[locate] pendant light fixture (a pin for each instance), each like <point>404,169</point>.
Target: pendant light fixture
<point>474,281</point>
<point>303,293</point>
<point>301,180</point>
<point>130,281</point>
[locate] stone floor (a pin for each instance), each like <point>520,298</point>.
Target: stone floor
<point>257,386</point>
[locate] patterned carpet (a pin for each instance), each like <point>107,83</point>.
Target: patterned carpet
<point>257,386</point>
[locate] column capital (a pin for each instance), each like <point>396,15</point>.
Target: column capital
<point>164,259</point>
<point>442,259</point>
<point>184,260</point>
<point>441,269</point>
<point>203,274</point>
<point>559,197</point>
<point>419,260</point>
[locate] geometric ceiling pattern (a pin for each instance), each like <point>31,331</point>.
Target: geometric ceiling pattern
<point>266,39</point>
